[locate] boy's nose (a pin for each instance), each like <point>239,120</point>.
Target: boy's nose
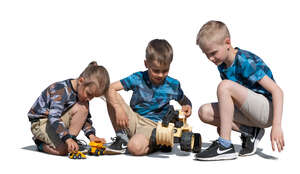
<point>160,75</point>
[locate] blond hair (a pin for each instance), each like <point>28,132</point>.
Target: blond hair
<point>212,31</point>
<point>99,73</point>
<point>159,50</point>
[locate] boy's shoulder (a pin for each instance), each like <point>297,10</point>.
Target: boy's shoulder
<point>245,54</point>
<point>171,80</point>
<point>60,85</point>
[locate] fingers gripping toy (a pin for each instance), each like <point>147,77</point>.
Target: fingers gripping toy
<point>174,129</point>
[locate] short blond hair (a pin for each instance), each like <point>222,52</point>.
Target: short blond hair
<point>159,50</point>
<point>212,31</point>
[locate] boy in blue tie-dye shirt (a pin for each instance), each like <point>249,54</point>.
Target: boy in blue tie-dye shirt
<point>152,92</point>
<point>249,99</point>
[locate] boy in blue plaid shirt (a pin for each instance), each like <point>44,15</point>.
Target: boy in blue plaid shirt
<point>249,99</point>
<point>152,92</point>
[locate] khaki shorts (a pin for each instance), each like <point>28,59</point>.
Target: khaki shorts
<point>257,111</point>
<point>137,123</point>
<point>43,131</point>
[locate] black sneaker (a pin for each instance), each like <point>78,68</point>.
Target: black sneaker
<point>119,146</point>
<point>217,152</point>
<point>250,142</point>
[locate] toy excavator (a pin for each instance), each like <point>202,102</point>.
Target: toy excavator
<point>174,129</point>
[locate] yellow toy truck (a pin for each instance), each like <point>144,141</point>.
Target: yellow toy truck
<point>96,148</point>
<point>77,155</point>
<point>174,129</point>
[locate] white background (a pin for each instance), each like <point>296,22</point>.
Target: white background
<point>42,42</point>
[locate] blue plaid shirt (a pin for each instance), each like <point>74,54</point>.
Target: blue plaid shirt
<point>246,70</point>
<point>149,100</point>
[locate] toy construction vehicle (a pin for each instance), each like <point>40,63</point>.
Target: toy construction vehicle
<point>174,129</point>
<point>96,148</point>
<point>77,155</point>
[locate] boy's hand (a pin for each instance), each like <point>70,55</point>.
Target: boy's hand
<point>72,145</point>
<point>121,119</point>
<point>277,137</point>
<point>187,110</point>
<point>97,139</point>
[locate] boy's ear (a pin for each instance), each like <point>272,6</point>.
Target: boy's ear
<point>146,64</point>
<point>81,79</point>
<point>228,41</point>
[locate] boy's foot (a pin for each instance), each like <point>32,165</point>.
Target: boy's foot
<point>118,146</point>
<point>217,152</point>
<point>250,142</point>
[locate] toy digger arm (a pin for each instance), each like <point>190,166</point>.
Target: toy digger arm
<point>171,116</point>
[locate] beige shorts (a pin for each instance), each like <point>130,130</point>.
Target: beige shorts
<point>137,123</point>
<point>43,131</point>
<point>257,111</point>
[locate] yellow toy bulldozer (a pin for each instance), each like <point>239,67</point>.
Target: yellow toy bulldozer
<point>174,129</point>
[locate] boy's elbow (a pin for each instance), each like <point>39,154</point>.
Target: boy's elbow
<point>278,91</point>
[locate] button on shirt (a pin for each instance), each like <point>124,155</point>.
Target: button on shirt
<point>149,100</point>
<point>246,70</point>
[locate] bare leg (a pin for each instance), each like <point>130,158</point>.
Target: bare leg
<point>79,114</point>
<point>138,145</point>
<point>209,113</point>
<point>229,94</point>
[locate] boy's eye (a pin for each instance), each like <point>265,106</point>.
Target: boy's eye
<point>156,71</point>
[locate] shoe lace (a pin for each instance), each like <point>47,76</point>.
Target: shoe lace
<point>115,140</point>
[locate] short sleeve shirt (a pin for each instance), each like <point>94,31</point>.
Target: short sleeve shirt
<point>149,100</point>
<point>247,69</point>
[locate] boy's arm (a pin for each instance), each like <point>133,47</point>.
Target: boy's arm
<point>186,105</point>
<point>88,128</point>
<point>277,96</point>
<point>114,99</point>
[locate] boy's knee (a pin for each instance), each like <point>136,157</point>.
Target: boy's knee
<point>204,112</point>
<point>224,85</point>
<point>137,145</point>
<point>80,108</point>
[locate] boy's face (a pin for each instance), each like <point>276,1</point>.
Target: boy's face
<point>215,52</point>
<point>157,72</point>
<point>86,93</point>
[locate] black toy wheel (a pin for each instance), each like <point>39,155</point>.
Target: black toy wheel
<point>97,153</point>
<point>166,148</point>
<point>197,143</point>
<point>187,141</point>
<point>79,156</point>
<point>74,156</point>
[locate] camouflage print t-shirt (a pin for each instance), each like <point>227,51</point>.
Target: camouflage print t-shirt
<point>54,101</point>
<point>247,69</point>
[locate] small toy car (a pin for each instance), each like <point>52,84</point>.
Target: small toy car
<point>77,155</point>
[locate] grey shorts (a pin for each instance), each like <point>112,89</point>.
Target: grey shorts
<point>257,111</point>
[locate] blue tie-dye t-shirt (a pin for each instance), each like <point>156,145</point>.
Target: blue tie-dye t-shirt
<point>246,70</point>
<point>149,100</point>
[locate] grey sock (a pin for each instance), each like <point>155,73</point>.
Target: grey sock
<point>122,134</point>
